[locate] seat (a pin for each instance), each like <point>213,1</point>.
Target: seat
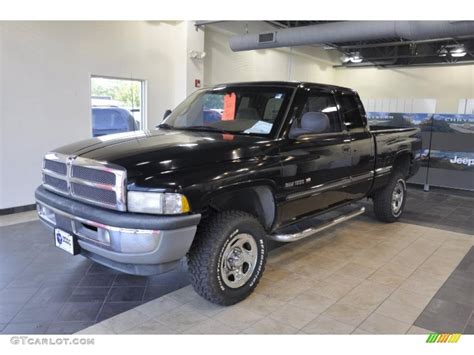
<point>248,113</point>
<point>311,123</point>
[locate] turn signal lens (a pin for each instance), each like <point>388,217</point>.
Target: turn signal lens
<point>157,202</point>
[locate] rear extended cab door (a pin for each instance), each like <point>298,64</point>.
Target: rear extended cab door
<point>361,142</point>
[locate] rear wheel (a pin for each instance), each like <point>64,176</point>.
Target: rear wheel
<point>389,203</point>
<point>227,257</point>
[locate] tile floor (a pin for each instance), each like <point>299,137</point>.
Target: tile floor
<point>362,277</point>
<point>452,307</point>
<point>45,290</point>
<point>348,279</point>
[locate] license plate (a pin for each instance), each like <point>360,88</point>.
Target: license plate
<point>64,240</point>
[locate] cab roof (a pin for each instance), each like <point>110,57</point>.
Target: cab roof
<point>290,84</point>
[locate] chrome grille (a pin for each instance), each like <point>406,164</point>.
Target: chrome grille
<point>101,177</point>
<point>87,180</point>
<point>93,193</point>
<point>56,166</point>
<point>56,183</point>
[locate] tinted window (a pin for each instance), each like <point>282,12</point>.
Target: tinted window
<point>319,103</point>
<point>350,111</point>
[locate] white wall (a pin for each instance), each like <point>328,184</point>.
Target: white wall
<point>401,105</point>
<point>194,67</point>
<point>444,84</point>
<point>466,106</point>
<point>224,66</point>
<point>45,70</point>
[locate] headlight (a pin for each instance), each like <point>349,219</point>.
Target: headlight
<point>157,202</point>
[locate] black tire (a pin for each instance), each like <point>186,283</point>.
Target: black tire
<point>206,262</point>
<point>383,208</point>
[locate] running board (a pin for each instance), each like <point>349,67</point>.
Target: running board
<point>312,230</point>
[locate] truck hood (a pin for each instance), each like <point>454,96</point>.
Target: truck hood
<point>145,153</point>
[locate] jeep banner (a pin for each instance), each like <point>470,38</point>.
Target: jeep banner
<point>448,146</point>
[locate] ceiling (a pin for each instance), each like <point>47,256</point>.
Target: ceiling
<point>396,52</point>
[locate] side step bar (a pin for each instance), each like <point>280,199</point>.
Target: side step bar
<point>312,230</point>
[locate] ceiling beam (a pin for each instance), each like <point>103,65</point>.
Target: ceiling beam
<point>400,43</point>
<point>204,23</point>
<point>383,66</point>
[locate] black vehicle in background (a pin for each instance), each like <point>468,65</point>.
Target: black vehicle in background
<point>230,168</point>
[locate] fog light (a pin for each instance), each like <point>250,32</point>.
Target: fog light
<point>138,242</point>
<point>46,214</point>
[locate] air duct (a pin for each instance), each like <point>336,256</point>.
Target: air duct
<point>348,31</point>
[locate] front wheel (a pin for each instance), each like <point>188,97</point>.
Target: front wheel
<point>227,257</point>
<point>389,203</point>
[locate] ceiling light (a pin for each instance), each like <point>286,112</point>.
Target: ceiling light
<point>458,51</point>
<point>443,52</point>
<point>354,57</point>
<point>345,59</point>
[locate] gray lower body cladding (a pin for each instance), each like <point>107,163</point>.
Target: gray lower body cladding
<point>129,242</point>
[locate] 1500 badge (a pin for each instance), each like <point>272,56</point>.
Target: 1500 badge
<point>298,182</point>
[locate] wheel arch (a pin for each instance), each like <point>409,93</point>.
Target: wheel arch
<point>402,162</point>
<point>257,200</point>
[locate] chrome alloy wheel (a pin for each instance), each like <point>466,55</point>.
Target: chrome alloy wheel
<point>239,260</point>
<point>398,195</point>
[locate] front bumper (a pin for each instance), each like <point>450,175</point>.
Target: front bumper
<point>129,242</point>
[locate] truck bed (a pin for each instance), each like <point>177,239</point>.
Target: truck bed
<point>391,143</point>
<point>377,129</point>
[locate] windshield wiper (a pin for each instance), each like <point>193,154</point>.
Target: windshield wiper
<point>208,128</point>
<point>197,128</point>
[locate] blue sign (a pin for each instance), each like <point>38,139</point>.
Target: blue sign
<point>447,144</point>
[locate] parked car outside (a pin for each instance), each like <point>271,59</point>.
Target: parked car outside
<point>110,120</point>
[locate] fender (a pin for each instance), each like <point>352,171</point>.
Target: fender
<point>265,209</point>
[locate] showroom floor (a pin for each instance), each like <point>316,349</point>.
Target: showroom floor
<point>360,277</point>
<point>45,290</point>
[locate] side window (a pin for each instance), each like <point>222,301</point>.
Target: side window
<point>319,115</point>
<point>350,111</point>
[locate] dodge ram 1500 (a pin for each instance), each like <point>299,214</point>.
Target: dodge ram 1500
<point>278,160</point>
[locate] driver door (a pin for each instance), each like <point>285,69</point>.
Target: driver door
<point>316,159</point>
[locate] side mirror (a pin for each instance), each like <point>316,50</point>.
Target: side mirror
<point>167,113</point>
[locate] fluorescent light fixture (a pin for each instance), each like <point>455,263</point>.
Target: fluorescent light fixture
<point>443,52</point>
<point>458,51</point>
<point>354,57</point>
<point>345,59</point>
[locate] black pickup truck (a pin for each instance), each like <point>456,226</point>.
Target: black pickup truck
<point>230,168</point>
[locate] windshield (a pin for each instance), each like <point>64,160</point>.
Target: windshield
<point>238,110</point>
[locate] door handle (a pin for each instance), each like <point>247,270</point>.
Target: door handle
<point>346,147</point>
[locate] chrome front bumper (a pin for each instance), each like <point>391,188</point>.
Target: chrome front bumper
<point>155,245</point>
